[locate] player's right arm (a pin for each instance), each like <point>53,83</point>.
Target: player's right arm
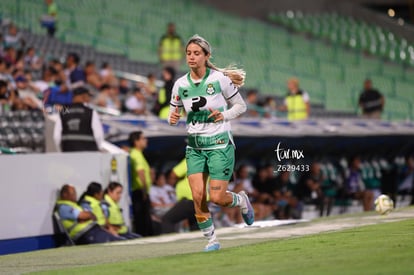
<point>176,105</point>
<point>174,115</point>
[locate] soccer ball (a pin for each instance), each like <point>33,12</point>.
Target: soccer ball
<point>384,204</point>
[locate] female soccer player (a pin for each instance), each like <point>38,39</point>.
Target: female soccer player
<point>205,93</point>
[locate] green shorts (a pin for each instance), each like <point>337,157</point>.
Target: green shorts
<point>218,163</point>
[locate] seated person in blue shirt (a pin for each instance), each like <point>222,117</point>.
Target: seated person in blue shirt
<point>81,225</point>
<point>92,201</point>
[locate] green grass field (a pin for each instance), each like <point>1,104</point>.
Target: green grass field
<point>386,248</point>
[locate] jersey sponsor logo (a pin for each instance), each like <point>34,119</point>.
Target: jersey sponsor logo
<point>197,103</point>
<point>210,89</point>
<point>185,93</point>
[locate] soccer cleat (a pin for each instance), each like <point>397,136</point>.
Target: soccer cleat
<point>212,247</point>
<point>246,208</point>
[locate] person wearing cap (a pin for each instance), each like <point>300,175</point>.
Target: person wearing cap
<point>78,127</point>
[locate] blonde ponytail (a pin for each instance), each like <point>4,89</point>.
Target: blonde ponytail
<point>236,75</point>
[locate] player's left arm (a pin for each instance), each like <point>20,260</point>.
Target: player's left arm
<point>233,99</point>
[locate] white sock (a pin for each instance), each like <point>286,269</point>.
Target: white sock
<point>207,227</point>
<point>237,200</point>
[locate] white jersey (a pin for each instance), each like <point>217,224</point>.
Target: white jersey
<point>197,98</point>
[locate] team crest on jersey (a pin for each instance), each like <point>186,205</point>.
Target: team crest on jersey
<point>210,89</point>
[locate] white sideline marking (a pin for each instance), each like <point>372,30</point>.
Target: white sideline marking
<point>238,229</point>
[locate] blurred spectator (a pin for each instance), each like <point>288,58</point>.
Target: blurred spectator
<point>265,186</point>
<point>354,186</point>
<point>135,103</point>
<point>107,74</point>
<point>162,196</point>
<point>92,76</point>
<point>31,60</point>
<point>270,107</point>
<point>309,190</point>
<point>287,205</point>
<point>150,91</point>
<point>47,79</point>
<point>123,86</point>
<point>406,182</point>
<point>10,56</point>
<point>55,91</point>
<point>371,101</point>
<point>150,88</point>
<point>251,102</point>
<point>5,73</point>
<point>244,182</point>
<point>14,39</point>
<point>162,106</point>
<point>92,200</point>
<point>108,98</point>
<point>141,184</point>
<point>80,224</point>
<point>7,97</point>
<point>1,45</point>
<point>113,211</point>
<point>27,92</point>
<point>296,103</point>
<point>260,179</point>
<point>62,79</point>
<point>171,48</point>
<point>78,128</point>
<point>183,210</point>
<point>74,72</point>
<point>49,20</point>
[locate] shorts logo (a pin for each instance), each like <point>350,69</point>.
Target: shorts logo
<point>210,89</point>
<point>226,171</point>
